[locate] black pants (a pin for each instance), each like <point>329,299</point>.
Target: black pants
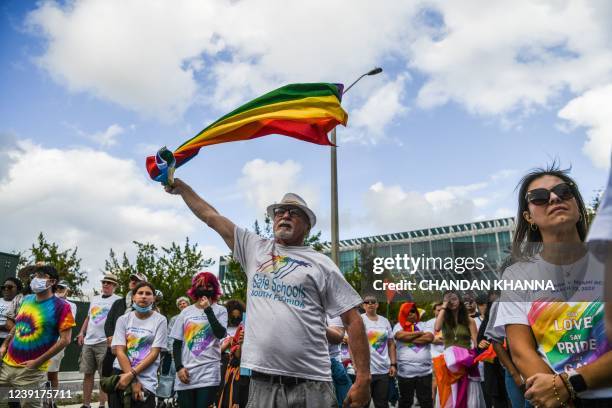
<point>407,388</point>
<point>379,389</point>
<point>107,363</point>
<point>197,397</point>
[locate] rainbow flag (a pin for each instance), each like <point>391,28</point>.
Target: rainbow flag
<point>304,111</point>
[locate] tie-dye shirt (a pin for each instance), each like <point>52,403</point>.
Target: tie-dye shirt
<point>201,354</point>
<point>140,336</point>
<point>569,333</point>
<point>412,359</point>
<point>98,311</point>
<point>37,328</point>
<point>379,333</point>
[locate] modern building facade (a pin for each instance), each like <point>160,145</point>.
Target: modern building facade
<point>489,239</point>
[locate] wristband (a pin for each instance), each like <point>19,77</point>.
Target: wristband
<point>557,396</point>
<point>570,388</point>
<point>394,365</point>
<point>134,373</point>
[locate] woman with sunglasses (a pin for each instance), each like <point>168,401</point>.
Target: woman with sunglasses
<point>556,337</point>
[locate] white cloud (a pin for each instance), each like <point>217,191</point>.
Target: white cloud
<point>108,137</point>
<point>263,183</point>
<point>86,198</point>
<point>593,111</point>
<point>140,55</point>
<point>382,107</point>
<point>147,57</point>
<point>8,143</point>
<point>495,59</point>
<point>391,208</point>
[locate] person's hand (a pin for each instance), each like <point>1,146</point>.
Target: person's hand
<point>392,371</point>
<point>183,375</point>
<point>358,395</point>
<point>241,337</point>
<point>204,302</point>
<point>444,304</point>
<point>80,339</point>
<point>540,391</point>
<point>345,339</point>
<point>176,188</point>
<point>483,344</point>
<point>137,394</point>
<point>124,381</point>
<point>31,364</point>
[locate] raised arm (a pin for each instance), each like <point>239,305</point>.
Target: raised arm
<point>204,211</point>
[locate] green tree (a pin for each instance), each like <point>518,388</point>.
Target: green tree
<point>234,281</point>
<point>169,269</point>
<point>591,209</point>
<point>66,261</point>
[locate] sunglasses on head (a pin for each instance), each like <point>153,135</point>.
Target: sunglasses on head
<point>293,212</point>
<point>541,196</point>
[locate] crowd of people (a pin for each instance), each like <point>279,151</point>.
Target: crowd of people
<point>311,340</point>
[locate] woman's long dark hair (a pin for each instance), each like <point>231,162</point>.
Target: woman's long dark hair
<point>523,235</point>
<point>462,314</point>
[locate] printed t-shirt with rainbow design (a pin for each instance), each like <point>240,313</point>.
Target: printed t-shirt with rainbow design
<point>379,333</point>
<point>569,334</point>
<point>201,352</point>
<point>37,328</point>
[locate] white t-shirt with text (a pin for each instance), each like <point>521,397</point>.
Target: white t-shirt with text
<point>379,333</point>
<point>98,311</point>
<point>140,336</point>
<point>291,290</point>
<point>567,325</point>
<point>201,353</point>
<point>413,360</point>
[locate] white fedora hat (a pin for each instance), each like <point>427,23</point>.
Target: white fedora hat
<point>293,200</point>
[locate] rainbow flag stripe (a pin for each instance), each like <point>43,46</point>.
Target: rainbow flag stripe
<point>303,111</point>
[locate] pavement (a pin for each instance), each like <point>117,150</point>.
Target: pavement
<point>73,381</point>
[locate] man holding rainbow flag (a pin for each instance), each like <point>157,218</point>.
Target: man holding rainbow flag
<point>289,284</point>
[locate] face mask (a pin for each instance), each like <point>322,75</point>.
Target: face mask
<point>199,292</point>
<point>235,321</point>
<point>38,285</point>
<point>142,309</point>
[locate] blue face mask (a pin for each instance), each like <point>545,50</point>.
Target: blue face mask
<point>38,285</point>
<point>142,309</point>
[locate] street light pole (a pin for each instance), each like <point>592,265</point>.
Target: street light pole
<point>335,240</point>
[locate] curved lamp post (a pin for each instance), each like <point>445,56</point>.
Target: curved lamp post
<point>334,181</point>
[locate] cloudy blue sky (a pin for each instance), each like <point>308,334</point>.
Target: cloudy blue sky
<point>474,93</point>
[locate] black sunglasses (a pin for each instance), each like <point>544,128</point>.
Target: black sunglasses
<point>541,196</point>
<point>370,302</point>
<point>293,212</point>
<point>7,287</point>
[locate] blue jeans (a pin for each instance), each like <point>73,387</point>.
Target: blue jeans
<point>342,382</point>
<point>515,395</point>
